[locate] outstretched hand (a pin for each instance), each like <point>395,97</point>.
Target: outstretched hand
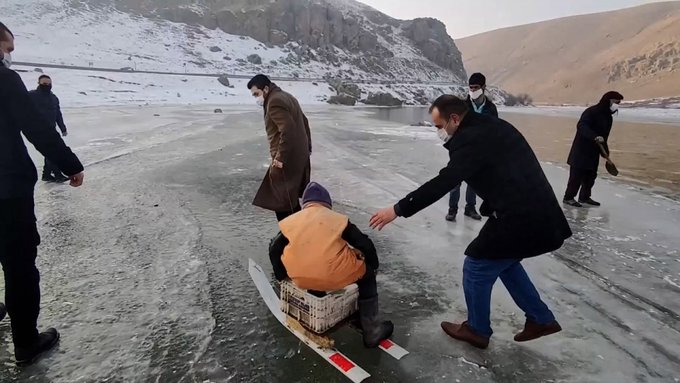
<point>383,218</point>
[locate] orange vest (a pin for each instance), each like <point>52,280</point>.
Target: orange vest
<point>317,258</point>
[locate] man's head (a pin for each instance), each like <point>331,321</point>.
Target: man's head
<point>316,194</point>
<point>611,100</point>
<point>477,85</point>
<point>447,113</point>
<point>45,82</point>
<point>259,86</point>
<point>6,45</point>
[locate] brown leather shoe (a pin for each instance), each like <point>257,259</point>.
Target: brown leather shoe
<point>533,330</point>
<point>464,333</point>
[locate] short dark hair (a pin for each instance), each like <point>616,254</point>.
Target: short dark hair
<point>3,29</point>
<point>449,104</point>
<point>477,79</point>
<point>260,81</point>
<point>44,76</point>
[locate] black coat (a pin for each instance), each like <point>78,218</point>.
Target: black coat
<point>48,104</point>
<point>595,121</point>
<point>494,159</point>
<point>19,115</point>
<point>488,109</point>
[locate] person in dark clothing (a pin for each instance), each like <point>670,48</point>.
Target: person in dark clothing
<point>480,103</point>
<point>525,218</point>
<point>321,250</point>
<point>48,104</point>
<point>592,131</point>
<point>19,237</point>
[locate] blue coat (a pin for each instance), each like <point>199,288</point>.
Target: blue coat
<point>48,105</point>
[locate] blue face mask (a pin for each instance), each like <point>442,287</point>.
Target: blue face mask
<point>6,59</point>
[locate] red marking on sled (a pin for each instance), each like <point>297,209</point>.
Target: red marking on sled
<point>342,362</point>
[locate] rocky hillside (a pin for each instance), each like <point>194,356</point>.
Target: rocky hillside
<point>349,39</point>
<point>577,59</point>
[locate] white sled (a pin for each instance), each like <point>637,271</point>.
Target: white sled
<point>338,360</point>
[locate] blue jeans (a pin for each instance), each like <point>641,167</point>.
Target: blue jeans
<point>470,198</point>
<point>479,276</point>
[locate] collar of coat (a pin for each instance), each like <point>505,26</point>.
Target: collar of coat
<point>273,88</point>
<point>469,119</point>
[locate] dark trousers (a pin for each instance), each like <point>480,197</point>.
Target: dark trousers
<point>51,170</point>
<point>479,276</point>
<point>368,286</point>
<point>281,215</point>
<point>470,198</point>
<point>582,179</point>
<point>19,242</point>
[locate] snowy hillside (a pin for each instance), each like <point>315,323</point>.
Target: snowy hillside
<point>93,35</point>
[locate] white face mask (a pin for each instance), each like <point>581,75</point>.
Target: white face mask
<point>476,94</point>
<point>614,107</point>
<point>6,59</point>
<point>444,135</point>
<point>260,101</point>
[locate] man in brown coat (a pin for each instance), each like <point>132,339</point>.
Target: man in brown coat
<point>290,146</point>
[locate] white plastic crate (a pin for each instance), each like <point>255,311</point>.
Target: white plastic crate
<point>319,314</point>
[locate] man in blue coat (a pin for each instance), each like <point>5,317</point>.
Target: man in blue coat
<point>48,105</point>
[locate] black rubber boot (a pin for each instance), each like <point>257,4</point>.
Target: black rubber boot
<point>375,331</point>
<point>3,311</point>
<point>471,212</point>
<point>28,355</point>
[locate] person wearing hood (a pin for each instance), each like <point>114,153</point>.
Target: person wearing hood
<point>592,131</point>
<point>525,218</point>
<point>48,104</point>
<point>19,238</point>
<point>290,148</point>
<point>321,250</point>
<point>479,102</point>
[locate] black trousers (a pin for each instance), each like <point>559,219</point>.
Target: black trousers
<point>368,286</point>
<point>19,242</point>
<point>582,179</point>
<point>51,170</point>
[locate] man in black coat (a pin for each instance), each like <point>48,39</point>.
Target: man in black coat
<point>592,131</point>
<point>48,104</point>
<point>480,103</point>
<point>19,238</point>
<point>525,218</point>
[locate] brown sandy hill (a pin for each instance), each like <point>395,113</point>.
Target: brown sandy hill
<point>576,59</point>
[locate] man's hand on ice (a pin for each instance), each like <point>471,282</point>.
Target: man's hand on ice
<point>77,180</point>
<point>383,218</point>
<point>599,139</point>
<point>277,164</point>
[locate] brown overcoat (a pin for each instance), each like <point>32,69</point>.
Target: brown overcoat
<point>290,142</point>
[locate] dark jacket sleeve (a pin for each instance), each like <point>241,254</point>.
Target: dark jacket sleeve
<point>46,140</point>
<point>363,243</point>
<point>276,247</point>
<point>467,155</point>
<point>60,117</point>
<point>491,108</point>
<point>585,125</point>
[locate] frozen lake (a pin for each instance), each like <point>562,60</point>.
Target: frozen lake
<point>144,269</point>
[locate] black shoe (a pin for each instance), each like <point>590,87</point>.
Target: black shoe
<point>28,355</point>
<point>3,311</point>
<point>571,202</point>
<point>472,213</point>
<point>61,179</point>
<point>48,178</point>
<point>451,217</point>
<point>589,201</point>
<point>374,330</point>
